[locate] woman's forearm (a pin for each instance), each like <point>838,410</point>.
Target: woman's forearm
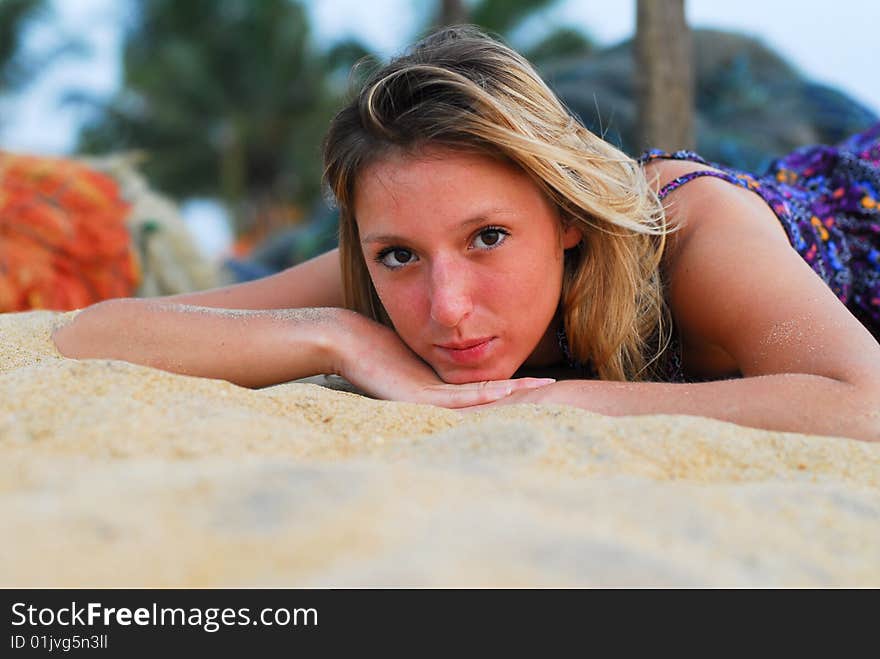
<point>249,348</point>
<point>792,402</point>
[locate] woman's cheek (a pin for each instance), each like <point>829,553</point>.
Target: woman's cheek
<point>403,304</point>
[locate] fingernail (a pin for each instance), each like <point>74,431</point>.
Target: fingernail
<point>540,382</point>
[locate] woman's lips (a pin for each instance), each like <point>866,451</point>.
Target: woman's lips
<point>467,352</point>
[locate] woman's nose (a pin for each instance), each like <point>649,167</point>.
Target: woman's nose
<point>451,300</point>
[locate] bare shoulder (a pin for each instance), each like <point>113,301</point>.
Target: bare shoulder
<point>705,213</point>
<point>735,285</point>
<point>704,200</point>
<point>663,171</point>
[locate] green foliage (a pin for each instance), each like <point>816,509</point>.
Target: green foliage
<point>561,44</point>
<point>504,16</point>
<point>229,98</point>
<point>15,15</point>
<point>507,18</point>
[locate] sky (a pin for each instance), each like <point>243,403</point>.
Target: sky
<point>835,42</point>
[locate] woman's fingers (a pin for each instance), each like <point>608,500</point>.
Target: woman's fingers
<point>477,393</point>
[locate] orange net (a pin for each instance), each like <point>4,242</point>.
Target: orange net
<point>63,239</point>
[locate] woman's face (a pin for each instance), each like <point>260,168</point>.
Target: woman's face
<point>466,255</point>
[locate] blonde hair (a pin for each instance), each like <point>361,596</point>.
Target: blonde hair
<point>461,89</point>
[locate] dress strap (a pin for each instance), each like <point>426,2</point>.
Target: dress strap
<point>660,154</point>
<point>676,183</point>
<point>741,179</point>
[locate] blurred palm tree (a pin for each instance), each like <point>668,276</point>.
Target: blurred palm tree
<point>507,18</point>
<point>15,15</point>
<point>229,99</point>
<point>19,64</point>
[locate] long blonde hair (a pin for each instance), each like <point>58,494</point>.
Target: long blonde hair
<point>461,89</point>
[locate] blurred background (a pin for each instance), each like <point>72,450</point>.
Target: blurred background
<point>156,146</point>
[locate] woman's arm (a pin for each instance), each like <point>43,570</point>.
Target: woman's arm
<point>182,333</point>
<point>249,348</point>
<point>792,402</point>
<point>260,348</point>
<point>736,284</point>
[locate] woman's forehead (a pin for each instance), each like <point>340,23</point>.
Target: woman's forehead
<point>433,167</point>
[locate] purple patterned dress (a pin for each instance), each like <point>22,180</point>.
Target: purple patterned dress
<point>827,199</point>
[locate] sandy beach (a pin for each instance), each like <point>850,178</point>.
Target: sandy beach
<point>119,475</point>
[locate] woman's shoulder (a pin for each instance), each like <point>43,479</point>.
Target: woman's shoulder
<point>663,173</point>
<point>706,213</point>
<point>694,191</point>
<point>669,171</point>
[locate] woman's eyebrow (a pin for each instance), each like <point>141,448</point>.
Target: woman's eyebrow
<point>481,218</point>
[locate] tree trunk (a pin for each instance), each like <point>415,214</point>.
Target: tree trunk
<point>664,76</point>
<point>452,12</point>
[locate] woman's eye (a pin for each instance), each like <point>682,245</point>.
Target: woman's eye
<point>395,257</point>
<point>489,238</point>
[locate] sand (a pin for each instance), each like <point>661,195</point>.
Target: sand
<point>113,474</point>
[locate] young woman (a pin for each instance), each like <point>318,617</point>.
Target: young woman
<point>485,234</point>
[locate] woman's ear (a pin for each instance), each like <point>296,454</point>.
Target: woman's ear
<point>571,235</point>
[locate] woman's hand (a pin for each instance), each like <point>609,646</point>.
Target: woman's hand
<point>375,359</point>
<point>554,393</point>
